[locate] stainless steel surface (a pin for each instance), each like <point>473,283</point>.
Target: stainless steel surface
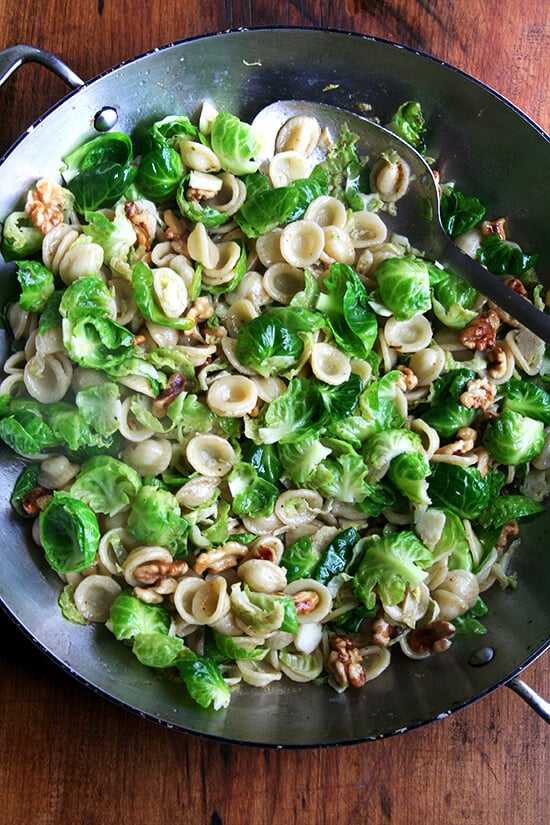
<point>475,136</point>
<point>14,57</point>
<point>533,699</point>
<point>422,226</point>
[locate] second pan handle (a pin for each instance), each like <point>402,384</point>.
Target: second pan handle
<point>14,56</point>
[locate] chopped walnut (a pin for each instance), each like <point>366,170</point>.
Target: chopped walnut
<point>193,194</point>
<point>432,638</point>
<point>153,572</point>
<point>497,360</point>
<point>479,394</point>
<point>480,333</point>
<point>383,632</point>
<point>157,579</point>
<point>35,500</point>
<point>176,233</point>
<point>510,530</point>
<point>140,222</point>
<point>220,558</point>
<point>464,443</point>
<point>345,662</point>
<point>176,385</point>
<point>482,462</point>
<point>45,205</point>
<point>408,379</point>
<point>201,310</point>
<point>495,227</point>
<point>305,601</point>
<point>147,595</point>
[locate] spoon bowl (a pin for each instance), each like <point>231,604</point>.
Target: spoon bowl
<point>418,213</point>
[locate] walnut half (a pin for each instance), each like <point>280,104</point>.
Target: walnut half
<point>345,662</point>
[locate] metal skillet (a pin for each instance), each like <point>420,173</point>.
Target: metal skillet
<point>476,134</point>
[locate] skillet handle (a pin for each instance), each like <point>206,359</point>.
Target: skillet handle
<point>539,705</point>
<point>14,56</point>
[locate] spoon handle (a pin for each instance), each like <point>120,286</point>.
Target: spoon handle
<point>497,291</point>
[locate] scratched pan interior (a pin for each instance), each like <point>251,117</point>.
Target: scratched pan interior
<point>486,144</point>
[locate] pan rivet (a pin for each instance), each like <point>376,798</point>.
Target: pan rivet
<point>105,119</point>
<point>481,656</point>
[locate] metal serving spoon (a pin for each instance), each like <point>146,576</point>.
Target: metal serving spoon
<point>418,212</point>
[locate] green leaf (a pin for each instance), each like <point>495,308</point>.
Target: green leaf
<point>69,532</point>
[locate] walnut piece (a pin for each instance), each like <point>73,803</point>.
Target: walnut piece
<point>408,379</point>
<point>345,662</point>
<point>175,386</point>
<point>45,205</point>
<point>201,310</point>
<point>432,638</point>
<point>220,558</point>
<point>383,632</point>
<point>464,443</point>
<point>35,500</point>
<point>497,360</point>
<point>495,227</point>
<point>479,394</point>
<point>510,530</point>
<point>480,333</point>
<point>140,222</point>
<point>153,572</point>
<point>305,601</point>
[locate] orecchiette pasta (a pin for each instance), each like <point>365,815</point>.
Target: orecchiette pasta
<point>261,448</point>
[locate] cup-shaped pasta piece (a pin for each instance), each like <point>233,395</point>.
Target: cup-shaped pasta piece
<point>22,323</point>
<point>250,288</point>
<point>258,673</point>
<point>197,492</point>
<point>268,247</point>
<point>114,546</point>
<point>170,291</point>
<point>300,667</point>
<point>527,349</point>
<point>375,661</point>
<point>262,576</point>
<point>232,396</point>
<point>282,281</point>
<point>150,457</point>
<point>264,525</point>
<point>48,377</point>
<point>390,178</point>
<point>456,594</point>
<point>313,599</point>
<point>210,601</point>
<point>71,255</point>
<point>327,211</point>
<point>296,507</point>
<point>430,437</point>
<point>56,471</point>
<point>300,133</point>
<point>159,335</point>
<point>15,363</point>
<point>231,195</point>
<point>139,556</point>
<point>302,243</point>
<point>408,336</point>
<point>184,595</point>
<point>411,608</point>
<point>202,248</point>
<point>286,167</point>
<point>197,156</point>
<point>210,455</point>
<point>49,342</point>
<point>329,364</point>
<point>427,364</point>
<point>239,314</point>
<point>269,387</point>
<point>338,246</point>
<point>229,253</point>
<point>229,348</point>
<point>94,596</point>
<point>129,426</point>
<point>366,229</point>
